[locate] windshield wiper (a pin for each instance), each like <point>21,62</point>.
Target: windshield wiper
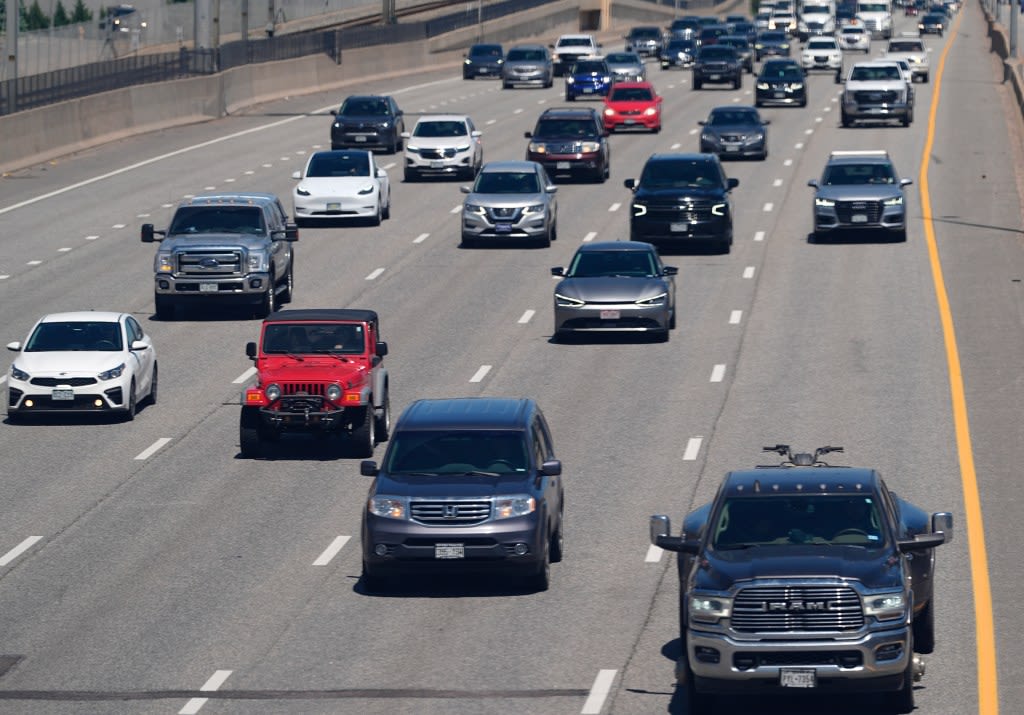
<point>735,547</point>
<point>477,473</point>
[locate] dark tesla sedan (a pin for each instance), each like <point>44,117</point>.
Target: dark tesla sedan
<point>933,23</point>
<point>734,131</point>
<point>781,82</point>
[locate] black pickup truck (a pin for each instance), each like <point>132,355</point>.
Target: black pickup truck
<point>805,575</point>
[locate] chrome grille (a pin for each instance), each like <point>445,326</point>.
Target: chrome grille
<point>450,513</point>
<point>504,214</point>
<point>681,211</point>
<point>210,263</point>
<point>876,97</point>
<point>846,209</point>
<point>772,609</point>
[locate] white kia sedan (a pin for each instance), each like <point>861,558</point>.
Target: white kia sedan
<point>88,361</point>
<point>341,184</point>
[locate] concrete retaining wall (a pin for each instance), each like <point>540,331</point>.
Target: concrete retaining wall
<point>1013,69</point>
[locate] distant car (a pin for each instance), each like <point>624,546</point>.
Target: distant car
<point>859,190</point>
<point>339,185</point>
<point>88,361</point>
<point>735,131</point>
<point>646,41</point>
<point>571,142</point>
<point>743,48</point>
<point>510,201</point>
<point>626,66</point>
<point>366,121</point>
<point>745,29</point>
<point>632,105</point>
<point>771,43</point>
<point>913,50</point>
<point>443,145</point>
<point>780,82</point>
<point>854,38</point>
<point>527,64</point>
<point>121,18</point>
<point>569,48</point>
<point>761,21</point>
<point>613,286</point>
<point>587,77</point>
<point>785,21</point>
<point>934,23</point>
<point>822,53</point>
<point>710,34</point>
<point>686,27</point>
<point>717,64</point>
<point>678,52</point>
<point>483,60</point>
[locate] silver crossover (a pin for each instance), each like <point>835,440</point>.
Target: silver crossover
<point>615,286</point>
<point>510,200</point>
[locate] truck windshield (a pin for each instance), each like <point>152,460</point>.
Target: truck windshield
<point>218,219</point>
<point>852,520</point>
<point>464,452</point>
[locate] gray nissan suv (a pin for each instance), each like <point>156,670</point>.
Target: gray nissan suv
<point>466,484</point>
<point>510,201</point>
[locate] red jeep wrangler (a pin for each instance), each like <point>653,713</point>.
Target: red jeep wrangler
<point>318,371</point>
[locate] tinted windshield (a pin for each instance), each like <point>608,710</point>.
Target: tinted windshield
<point>871,173</point>
<point>623,58</point>
<point>821,45</point>
<point>590,68</point>
<point>440,129</point>
<point>364,107</point>
<point>786,73</point>
<point>581,128</point>
<point>515,55</point>
<point>484,51</point>
<point>817,10</point>
<point>630,94</point>
<point>646,33</point>
<point>872,7</point>
<point>717,52</point>
<point>729,116</point>
<point>773,37</point>
<point>888,72</point>
<point>507,182</point>
<point>905,47</point>
<point>339,164</point>
<point>680,174</point>
<point>786,520</point>
<point>456,452</point>
<point>218,219</point>
<point>310,338</point>
<point>594,264</point>
<point>75,335</point>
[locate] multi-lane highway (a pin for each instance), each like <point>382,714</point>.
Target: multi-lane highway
<point>146,568</point>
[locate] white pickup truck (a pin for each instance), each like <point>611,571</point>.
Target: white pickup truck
<point>877,91</point>
<point>913,50</point>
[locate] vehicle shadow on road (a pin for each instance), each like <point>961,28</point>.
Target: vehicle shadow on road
<point>328,447</point>
<point>454,585</point>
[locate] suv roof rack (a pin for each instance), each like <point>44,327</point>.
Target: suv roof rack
<point>860,152</point>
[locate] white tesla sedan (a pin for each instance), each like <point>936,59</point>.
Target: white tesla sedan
<point>341,184</point>
<point>88,361</point>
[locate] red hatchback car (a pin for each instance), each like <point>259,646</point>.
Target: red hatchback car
<point>632,104</point>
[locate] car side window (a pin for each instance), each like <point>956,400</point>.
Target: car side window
<point>134,331</point>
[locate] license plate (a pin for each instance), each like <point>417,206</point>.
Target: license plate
<point>859,218</point>
<point>714,76</point>
<point>630,121</point>
<point>731,147</point>
<point>588,90</point>
<point>334,206</point>
<point>679,227</point>
<point>458,551</point>
<point>798,678</point>
<point>562,166</point>
<point>360,139</point>
<point>609,315</point>
<point>437,165</point>
<point>207,287</point>
<point>780,95</point>
<point>503,228</point>
<point>62,395</point>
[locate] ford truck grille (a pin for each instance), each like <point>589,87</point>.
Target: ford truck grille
<point>210,264</point>
<point>450,513</point>
<point>784,609</point>
<point>873,96</point>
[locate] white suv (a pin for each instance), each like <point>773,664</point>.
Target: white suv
<point>822,53</point>
<point>854,38</point>
<point>570,48</point>
<point>443,145</point>
<point>912,49</point>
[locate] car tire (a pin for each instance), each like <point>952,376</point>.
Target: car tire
<point>505,85</point>
<point>738,82</point>
<point>545,240</point>
<point>363,438</point>
<point>540,579</point>
<point>698,703</point>
<point>468,242</point>
<point>902,700</point>
<point>379,216</point>
<point>289,283</point>
<point>803,103</point>
<point>556,551</point>
<point>924,629</point>
<point>385,212</point>
<point>133,404</point>
<point>926,78</point>
<point>164,307</point>
<point>696,84</point>
<point>758,103</point>
<point>249,440</point>
<point>373,580</point>
<point>268,303</point>
<point>569,97</point>
<point>410,176</point>
<point>844,120</point>
<point>154,384</point>
<point>384,420</point>
<point>900,236</point>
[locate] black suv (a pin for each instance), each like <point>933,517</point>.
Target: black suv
<point>483,61</point>
<point>682,199</point>
<point>465,484</point>
<point>646,41</point>
<point>571,142</point>
<point>368,121</point>
<point>717,64</point>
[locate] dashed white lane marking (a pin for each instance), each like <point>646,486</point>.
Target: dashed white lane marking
<point>456,209</point>
<point>118,225</point>
<point>33,263</point>
<point>541,101</point>
<point>141,215</point>
<point>481,373</point>
<point>64,250</point>
<point>244,377</point>
<point>615,207</point>
<point>748,92</point>
<point>692,132</point>
<point>374,274</point>
<point>748,272</point>
<point>491,121</point>
<point>421,238</point>
<point>152,449</point>
<point>717,373</point>
<point>91,238</point>
<point>759,236</point>
<point>736,99</point>
<point>216,680</point>
<point>777,183</point>
<point>3,378</point>
<point>768,207</point>
<point>598,692</point>
<point>735,317</point>
<point>808,131</point>
<point>250,172</point>
<point>527,316</point>
<point>692,449</point>
<point>267,166</point>
<point>798,145</point>
<point>331,551</point>
<point>19,550</point>
<point>827,109</point>
<point>835,100</point>
<point>676,145</point>
<point>788,162</point>
<point>4,277</point>
<point>653,554</point>
<point>209,188</point>
<point>518,111</point>
<point>388,167</point>
<point>589,237</point>
<point>819,119</point>
<point>229,181</point>
<point>285,158</point>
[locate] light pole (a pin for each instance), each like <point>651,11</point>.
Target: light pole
<point>12,55</point>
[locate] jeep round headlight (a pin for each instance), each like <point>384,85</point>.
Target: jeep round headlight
<point>333,393</point>
<point>273,392</point>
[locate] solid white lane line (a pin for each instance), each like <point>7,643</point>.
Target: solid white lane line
<point>244,377</point>
<point>692,449</point>
<point>748,272</point>
<point>331,551</point>
<point>481,373</point>
<point>653,554</point>
<point>768,207</point>
<point>216,680</point>
<point>777,183</point>
<point>788,162</point>
<point>615,207</point>
<point>19,550</point>
<point>717,373</point>
<point>421,238</point>
<point>735,316</point>
<point>456,209</point>
<point>599,692</point>
<point>759,236</point>
<point>591,235</point>
<point>152,449</point>
<point>374,274</point>
<point>527,316</point>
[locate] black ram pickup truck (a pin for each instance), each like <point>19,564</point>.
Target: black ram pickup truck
<point>804,575</point>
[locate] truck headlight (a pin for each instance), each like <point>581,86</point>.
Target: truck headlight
<point>886,606</point>
<point>762,86</point>
<point>333,393</point>
<point>259,262</point>
<point>709,609</point>
<point>273,392</point>
<point>590,147</point>
<point>111,374</point>
<point>17,374</point>
<point>719,209</point>
<point>387,507</point>
<point>513,506</point>
<point>537,148</point>
<point>164,262</point>
<point>639,210</point>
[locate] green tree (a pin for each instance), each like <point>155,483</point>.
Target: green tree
<point>35,18</point>
<point>60,15</point>
<point>80,13</point>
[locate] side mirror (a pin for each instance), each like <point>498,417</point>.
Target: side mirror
<point>476,133</point>
<point>551,189</point>
<point>465,189</point>
<point>921,541</point>
<point>407,135</point>
<point>147,233</point>
<point>906,182</point>
<point>629,183</point>
<point>702,122</point>
<point>528,135</point>
<point>250,350</point>
<point>942,523</point>
<point>291,231</point>
<point>381,348</point>
<point>660,525</point>
<point>368,468</point>
<point>14,347</point>
<point>670,271</point>
<point>381,173</point>
<point>558,271</point>
<point>732,183</point>
<point>296,174</point>
<point>813,183</point>
<point>766,122</point>
<point>551,467</point>
<point>334,112</point>
<point>139,345</point>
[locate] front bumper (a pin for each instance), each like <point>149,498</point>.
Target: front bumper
<point>362,139</point>
<point>24,398</point>
<point>526,227</point>
<point>668,233</point>
<point>433,165</point>
<point>728,76</point>
<point>828,63</point>
<point>249,288</point>
<point>630,121</point>
<point>538,78</point>
<point>582,164</point>
<point>735,149</point>
<point>893,218</point>
<point>575,90</point>
<point>612,317</point>
<point>774,96</point>
<point>310,414</point>
<point>335,207</point>
<point>876,112</point>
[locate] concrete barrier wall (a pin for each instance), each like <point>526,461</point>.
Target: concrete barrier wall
<point>1013,69</point>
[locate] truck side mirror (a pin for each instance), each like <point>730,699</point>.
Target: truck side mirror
<point>368,468</point>
<point>551,467</point>
<point>147,233</point>
<point>291,231</point>
<point>250,350</point>
<point>942,523</point>
<point>381,348</point>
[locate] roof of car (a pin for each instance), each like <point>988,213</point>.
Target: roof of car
<point>442,118</point>
<point>323,314</point>
<point>603,246</point>
<point>467,413</point>
<point>682,156</point>
<point>575,36</point>
<point>234,199</point>
<point>774,480</point>
<point>568,113</point>
<point>511,165</point>
<point>860,157</point>
<point>531,46</point>
<point>104,316</point>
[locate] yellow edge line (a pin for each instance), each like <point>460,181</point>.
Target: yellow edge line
<point>988,692</point>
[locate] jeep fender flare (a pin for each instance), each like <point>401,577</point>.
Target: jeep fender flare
<point>380,387</point>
